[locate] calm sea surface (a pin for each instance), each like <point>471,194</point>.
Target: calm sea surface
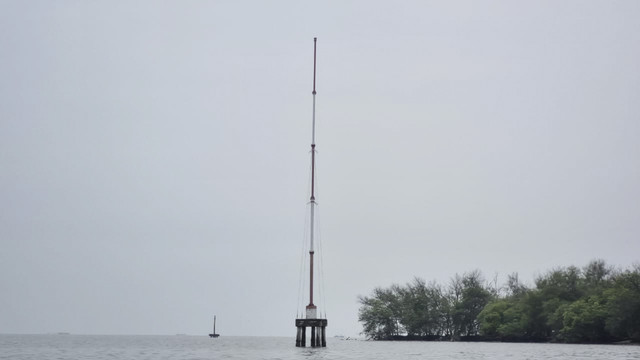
<point>51,347</point>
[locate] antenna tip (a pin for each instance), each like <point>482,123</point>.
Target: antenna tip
<point>315,39</point>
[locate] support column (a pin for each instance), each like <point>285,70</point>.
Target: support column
<point>318,332</point>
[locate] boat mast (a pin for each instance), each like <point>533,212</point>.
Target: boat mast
<point>311,306</point>
<point>214,324</point>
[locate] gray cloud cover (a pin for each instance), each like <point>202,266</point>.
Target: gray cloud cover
<point>154,156</point>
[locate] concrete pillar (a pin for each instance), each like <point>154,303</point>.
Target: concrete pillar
<point>318,332</point>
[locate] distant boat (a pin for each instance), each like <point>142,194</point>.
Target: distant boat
<point>214,335</point>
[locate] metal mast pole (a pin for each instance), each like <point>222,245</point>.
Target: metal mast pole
<point>317,324</point>
<point>311,306</point>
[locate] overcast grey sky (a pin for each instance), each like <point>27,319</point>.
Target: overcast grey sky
<point>154,156</point>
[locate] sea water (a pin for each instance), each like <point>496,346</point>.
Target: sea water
<point>110,347</point>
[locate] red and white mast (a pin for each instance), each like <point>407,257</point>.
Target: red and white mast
<point>311,308</point>
<point>317,325</point>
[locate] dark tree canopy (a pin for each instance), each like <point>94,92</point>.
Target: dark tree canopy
<point>593,304</point>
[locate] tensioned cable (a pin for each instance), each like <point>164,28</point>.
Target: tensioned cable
<point>320,264</point>
<point>303,258</point>
<point>321,250</point>
<point>301,277</point>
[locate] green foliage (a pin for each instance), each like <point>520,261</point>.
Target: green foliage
<point>425,310</point>
<point>380,313</point>
<point>514,287</point>
<point>623,305</point>
<point>535,318</point>
<point>474,298</point>
<point>561,284</point>
<point>596,276</point>
<point>491,318</point>
<point>514,321</point>
<point>595,304</point>
<point>583,321</point>
<point>422,308</point>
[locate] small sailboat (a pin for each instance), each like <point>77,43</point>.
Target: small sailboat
<point>214,335</point>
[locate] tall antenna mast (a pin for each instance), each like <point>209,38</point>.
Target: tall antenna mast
<point>311,306</point>
<point>317,325</point>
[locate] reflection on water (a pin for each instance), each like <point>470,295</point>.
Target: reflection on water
<point>27,347</point>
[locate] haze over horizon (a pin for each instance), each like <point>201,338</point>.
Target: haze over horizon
<point>154,158</point>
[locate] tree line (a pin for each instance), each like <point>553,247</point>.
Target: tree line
<point>593,304</point>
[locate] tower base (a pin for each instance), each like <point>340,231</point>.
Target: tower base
<point>318,334</point>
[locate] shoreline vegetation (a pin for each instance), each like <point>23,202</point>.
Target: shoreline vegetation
<point>595,304</point>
